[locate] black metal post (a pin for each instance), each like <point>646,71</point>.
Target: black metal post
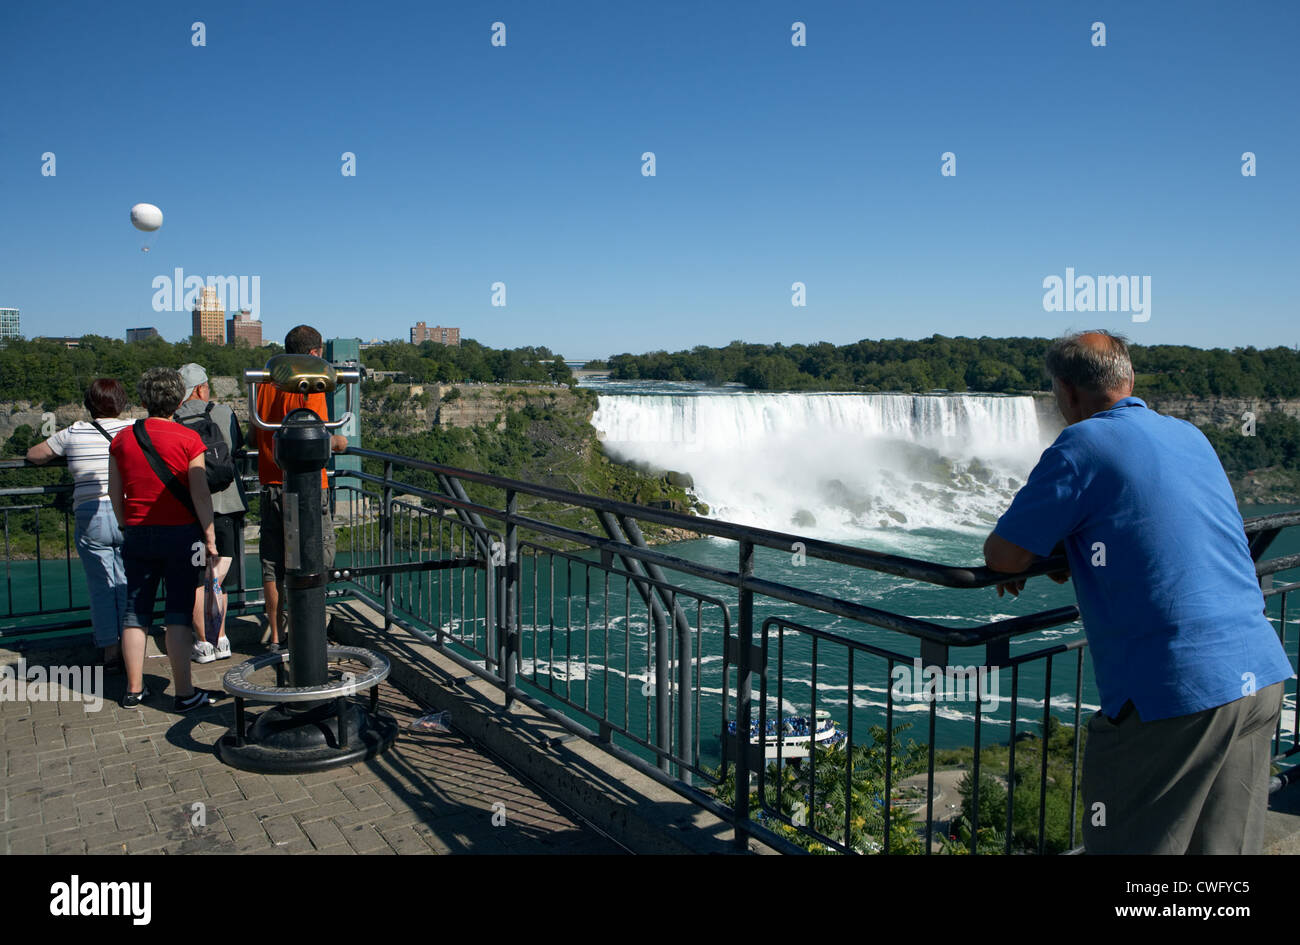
<point>314,725</point>
<point>386,533</point>
<point>302,448</point>
<point>685,662</point>
<point>614,527</point>
<point>744,695</point>
<point>510,621</point>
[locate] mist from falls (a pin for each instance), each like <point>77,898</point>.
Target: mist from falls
<point>840,466</point>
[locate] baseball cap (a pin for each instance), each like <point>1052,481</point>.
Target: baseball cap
<point>192,375</point>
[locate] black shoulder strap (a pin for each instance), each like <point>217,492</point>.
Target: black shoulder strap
<point>160,468</point>
<point>108,436</point>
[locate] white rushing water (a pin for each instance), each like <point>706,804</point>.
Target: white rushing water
<point>834,465</point>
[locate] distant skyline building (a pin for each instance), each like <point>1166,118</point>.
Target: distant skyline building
<point>67,341</point>
<point>9,324</point>
<point>445,336</point>
<point>243,328</point>
<point>209,318</point>
<point>140,334</point>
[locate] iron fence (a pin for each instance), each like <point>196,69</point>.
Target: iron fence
<point>684,669</point>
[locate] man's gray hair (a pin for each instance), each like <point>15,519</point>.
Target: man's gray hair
<point>161,391</point>
<point>1100,370</point>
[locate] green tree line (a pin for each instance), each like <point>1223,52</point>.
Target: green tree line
<point>960,364</point>
<point>431,362</point>
<point>46,372</point>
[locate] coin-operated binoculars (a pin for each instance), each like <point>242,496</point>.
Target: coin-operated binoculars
<point>312,724</point>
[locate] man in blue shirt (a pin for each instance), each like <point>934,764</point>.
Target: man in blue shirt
<point>1188,667</point>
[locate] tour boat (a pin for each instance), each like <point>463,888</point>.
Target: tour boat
<point>794,735</point>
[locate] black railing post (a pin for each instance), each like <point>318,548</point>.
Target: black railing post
<point>663,698</point>
<point>240,582</point>
<point>491,622</point>
<point>510,610</point>
<point>386,536</point>
<point>744,694</point>
<point>658,605</point>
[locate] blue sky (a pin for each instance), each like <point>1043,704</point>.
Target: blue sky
<point>775,164</point>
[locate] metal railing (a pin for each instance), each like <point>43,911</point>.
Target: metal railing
<point>666,662</point>
<point>62,594</point>
<point>586,625</point>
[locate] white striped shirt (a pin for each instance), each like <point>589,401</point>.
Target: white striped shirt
<point>87,454</point>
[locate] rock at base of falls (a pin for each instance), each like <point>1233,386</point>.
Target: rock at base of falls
<point>804,519</point>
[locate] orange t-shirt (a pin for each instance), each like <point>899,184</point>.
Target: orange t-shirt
<point>273,405</point>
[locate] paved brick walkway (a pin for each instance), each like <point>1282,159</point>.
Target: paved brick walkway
<point>127,781</point>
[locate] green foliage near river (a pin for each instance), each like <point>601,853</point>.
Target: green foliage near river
<point>815,795</point>
<point>545,439</point>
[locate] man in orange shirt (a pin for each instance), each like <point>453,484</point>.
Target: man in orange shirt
<point>274,405</point>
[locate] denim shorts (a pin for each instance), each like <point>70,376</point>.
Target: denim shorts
<point>153,553</point>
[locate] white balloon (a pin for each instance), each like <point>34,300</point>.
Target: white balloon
<point>145,216</point>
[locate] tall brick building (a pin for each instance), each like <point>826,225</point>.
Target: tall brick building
<point>244,329</point>
<point>444,336</point>
<point>209,317</point>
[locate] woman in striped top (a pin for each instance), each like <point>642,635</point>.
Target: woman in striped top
<point>99,540</point>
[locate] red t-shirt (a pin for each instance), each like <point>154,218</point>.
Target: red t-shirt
<point>148,501</point>
<point>273,405</point>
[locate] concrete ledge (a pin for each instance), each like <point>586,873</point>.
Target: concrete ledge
<point>633,809</point>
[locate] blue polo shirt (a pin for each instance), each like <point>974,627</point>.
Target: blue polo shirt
<point>1162,572</point>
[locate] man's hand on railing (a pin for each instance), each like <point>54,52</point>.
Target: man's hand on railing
<point>1012,587</point>
<point>1002,555</point>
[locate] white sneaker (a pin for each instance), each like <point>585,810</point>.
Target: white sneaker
<point>203,653</point>
<point>223,648</point>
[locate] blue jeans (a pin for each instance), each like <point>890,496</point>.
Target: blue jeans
<point>99,543</point>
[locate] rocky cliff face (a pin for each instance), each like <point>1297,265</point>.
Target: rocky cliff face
<point>1050,420</point>
<point>1201,411</point>
<point>1220,412</point>
<point>403,409</point>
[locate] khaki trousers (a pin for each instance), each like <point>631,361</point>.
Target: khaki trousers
<point>1190,784</point>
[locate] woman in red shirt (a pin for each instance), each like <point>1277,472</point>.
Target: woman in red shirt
<point>165,511</point>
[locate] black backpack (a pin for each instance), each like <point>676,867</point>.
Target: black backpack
<point>216,454</point>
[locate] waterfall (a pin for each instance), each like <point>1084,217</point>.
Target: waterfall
<point>834,465</point>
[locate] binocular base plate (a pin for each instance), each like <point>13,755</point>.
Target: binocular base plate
<point>295,739</point>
